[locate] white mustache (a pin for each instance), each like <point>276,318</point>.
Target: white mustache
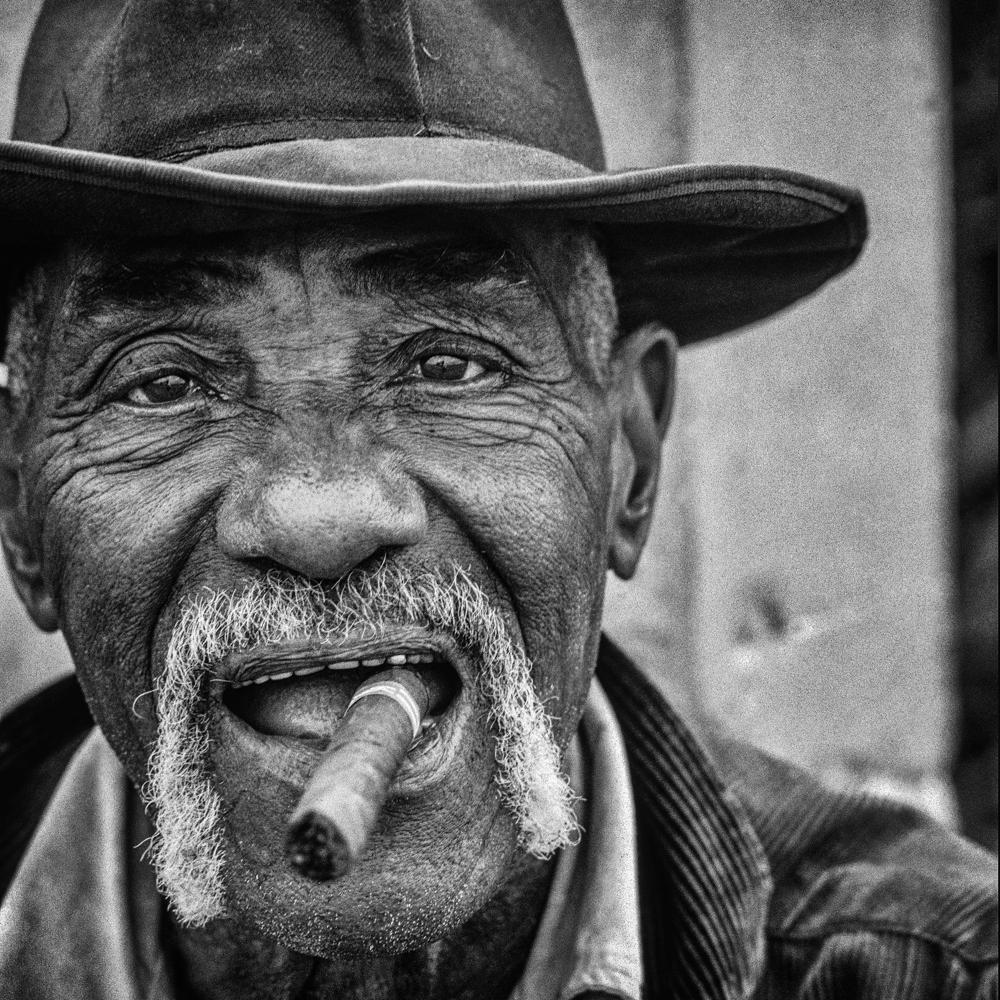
<point>187,848</point>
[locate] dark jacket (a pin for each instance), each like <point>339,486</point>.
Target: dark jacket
<point>754,879</point>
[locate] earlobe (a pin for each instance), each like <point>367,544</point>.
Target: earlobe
<point>29,581</point>
<point>23,562</point>
<point>645,371</point>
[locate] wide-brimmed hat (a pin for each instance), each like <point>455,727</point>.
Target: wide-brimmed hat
<point>165,117</point>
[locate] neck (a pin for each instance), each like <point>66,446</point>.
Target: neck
<point>482,959</point>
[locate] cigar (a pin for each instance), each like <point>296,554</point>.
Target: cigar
<point>342,801</point>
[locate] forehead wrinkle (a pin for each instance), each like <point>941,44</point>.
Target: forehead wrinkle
<point>153,283</point>
<point>435,269</point>
<point>445,281</point>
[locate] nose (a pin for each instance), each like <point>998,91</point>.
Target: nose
<point>320,518</point>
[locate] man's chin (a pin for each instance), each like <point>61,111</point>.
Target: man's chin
<point>379,909</point>
<point>441,846</point>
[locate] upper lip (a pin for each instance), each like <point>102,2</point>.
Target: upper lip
<point>279,660</point>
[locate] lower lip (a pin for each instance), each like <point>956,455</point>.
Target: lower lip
<point>294,760</point>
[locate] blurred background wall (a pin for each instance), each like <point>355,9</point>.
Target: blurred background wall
<point>821,578</point>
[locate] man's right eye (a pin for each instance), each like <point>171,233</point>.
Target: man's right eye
<point>163,390</point>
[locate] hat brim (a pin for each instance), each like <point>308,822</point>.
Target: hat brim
<point>703,248</point>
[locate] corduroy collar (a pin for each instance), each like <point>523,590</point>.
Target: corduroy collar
<point>704,880</point>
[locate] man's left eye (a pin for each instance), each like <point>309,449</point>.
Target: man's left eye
<point>447,368</point>
<point>162,391</point>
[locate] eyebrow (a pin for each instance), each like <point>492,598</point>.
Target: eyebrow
<point>156,283</point>
<point>425,271</point>
<point>435,269</point>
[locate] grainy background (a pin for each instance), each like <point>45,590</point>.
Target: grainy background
<point>805,586</point>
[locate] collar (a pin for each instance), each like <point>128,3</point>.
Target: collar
<point>705,883</point>
<point>82,916</point>
<point>588,939</point>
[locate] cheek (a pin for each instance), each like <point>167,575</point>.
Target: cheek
<point>116,531</point>
<point>535,511</point>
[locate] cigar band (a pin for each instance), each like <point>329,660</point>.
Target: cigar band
<point>398,693</point>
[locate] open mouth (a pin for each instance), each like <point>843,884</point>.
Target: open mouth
<point>301,690</point>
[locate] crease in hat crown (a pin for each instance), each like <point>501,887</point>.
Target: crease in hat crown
<point>174,79</point>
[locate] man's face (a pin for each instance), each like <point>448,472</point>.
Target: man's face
<point>302,405</point>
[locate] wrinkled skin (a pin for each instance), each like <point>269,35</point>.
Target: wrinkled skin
<point>294,419</point>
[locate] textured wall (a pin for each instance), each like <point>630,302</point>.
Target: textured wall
<point>16,18</point>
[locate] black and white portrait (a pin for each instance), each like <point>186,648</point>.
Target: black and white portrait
<point>498,500</point>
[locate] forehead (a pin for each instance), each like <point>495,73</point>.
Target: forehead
<point>394,255</point>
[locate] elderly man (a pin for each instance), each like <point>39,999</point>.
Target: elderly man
<point>335,376</point>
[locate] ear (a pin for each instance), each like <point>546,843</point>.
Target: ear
<point>23,559</point>
<point>644,367</point>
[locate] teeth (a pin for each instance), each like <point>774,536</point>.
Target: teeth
<point>396,660</point>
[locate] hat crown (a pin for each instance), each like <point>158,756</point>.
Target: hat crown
<point>172,79</point>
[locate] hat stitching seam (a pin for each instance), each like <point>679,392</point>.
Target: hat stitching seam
<point>791,187</point>
<point>243,198</point>
<point>530,191</point>
<point>412,83</point>
<point>683,189</point>
<point>116,61</point>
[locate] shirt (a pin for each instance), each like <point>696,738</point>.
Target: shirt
<point>588,939</point>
